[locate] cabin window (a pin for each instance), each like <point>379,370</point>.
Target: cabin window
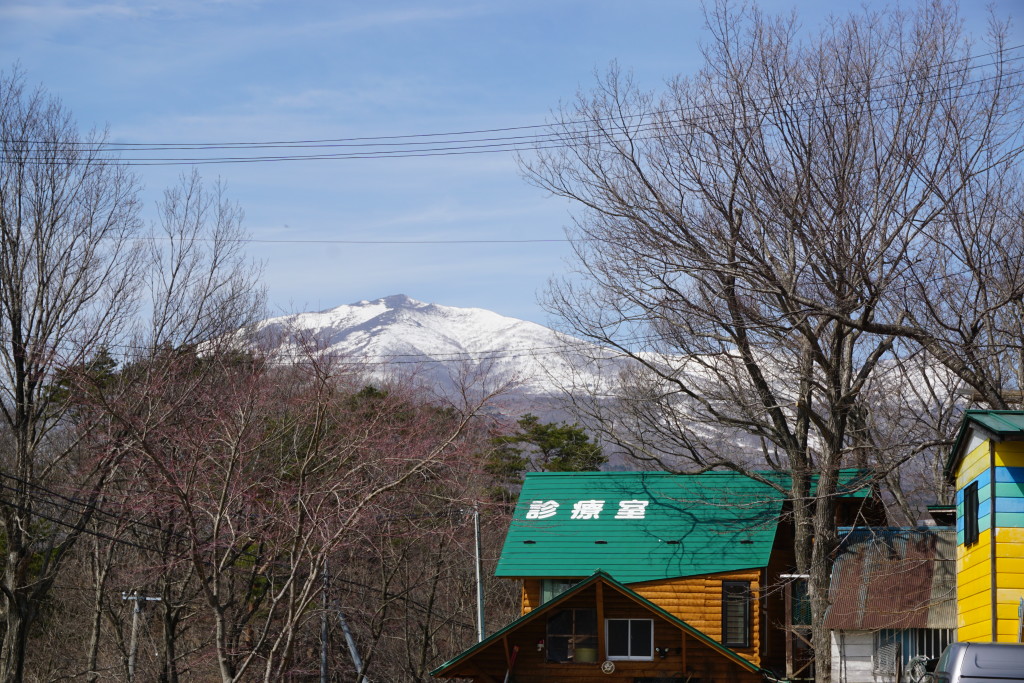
<point>630,638</point>
<point>736,613</point>
<point>552,588</point>
<point>971,514</point>
<point>572,636</point>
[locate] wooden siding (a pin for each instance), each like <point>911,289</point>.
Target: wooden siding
<point>687,656</point>
<point>531,595</point>
<point>697,600</point>
<point>972,465</point>
<point>853,656</point>
<point>1009,537</point>
<point>973,563</point>
<point>1001,520</point>
<point>1008,489</point>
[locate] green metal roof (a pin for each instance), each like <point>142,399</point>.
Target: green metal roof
<point>610,581</point>
<point>650,526</point>
<point>1000,424</point>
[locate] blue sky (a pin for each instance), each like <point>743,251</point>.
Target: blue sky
<point>237,71</point>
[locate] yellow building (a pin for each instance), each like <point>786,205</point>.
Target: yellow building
<point>986,466</point>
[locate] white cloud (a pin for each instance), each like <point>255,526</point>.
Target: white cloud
<point>62,13</point>
<point>59,12</point>
<point>389,92</point>
<point>411,15</point>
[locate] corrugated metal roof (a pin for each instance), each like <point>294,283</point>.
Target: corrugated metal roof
<point>894,578</point>
<point>1001,424</point>
<point>999,421</point>
<point>642,526</point>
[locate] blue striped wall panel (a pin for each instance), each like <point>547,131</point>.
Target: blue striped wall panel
<point>1010,475</point>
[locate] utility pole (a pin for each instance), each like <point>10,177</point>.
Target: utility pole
<point>324,632</point>
<point>357,661</point>
<point>479,575</point>
<point>133,646</point>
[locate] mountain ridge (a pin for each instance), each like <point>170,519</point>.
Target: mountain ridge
<point>438,341</point>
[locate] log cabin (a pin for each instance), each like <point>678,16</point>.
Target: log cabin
<point>646,577</point>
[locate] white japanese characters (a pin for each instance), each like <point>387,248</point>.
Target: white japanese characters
<point>542,509</point>
<point>588,509</point>
<point>632,509</point>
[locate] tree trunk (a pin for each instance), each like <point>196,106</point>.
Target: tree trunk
<point>101,570</point>
<point>823,544</point>
<point>227,669</point>
<point>19,618</point>
<point>169,669</point>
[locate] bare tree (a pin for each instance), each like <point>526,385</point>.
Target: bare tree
<point>69,270</point>
<point>266,471</point>
<point>201,285</point>
<point>76,271</point>
<point>408,588</point>
<point>776,231</point>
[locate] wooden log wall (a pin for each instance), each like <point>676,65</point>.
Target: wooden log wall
<point>686,656</point>
<point>697,600</point>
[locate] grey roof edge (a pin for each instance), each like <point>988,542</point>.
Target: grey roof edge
<point>609,580</point>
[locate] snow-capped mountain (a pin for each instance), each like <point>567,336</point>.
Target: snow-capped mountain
<point>441,346</point>
<point>436,343</point>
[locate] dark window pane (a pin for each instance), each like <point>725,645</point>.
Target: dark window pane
<point>558,648</point>
<point>560,623</point>
<point>586,622</point>
<point>736,613</point>
<point>569,630</point>
<point>971,505</point>
<point>618,638</point>
<point>640,638</point>
<point>630,638</point>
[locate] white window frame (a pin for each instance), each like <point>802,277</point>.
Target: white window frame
<point>630,657</point>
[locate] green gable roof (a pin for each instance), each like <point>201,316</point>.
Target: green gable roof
<point>691,524</point>
<point>1000,425</point>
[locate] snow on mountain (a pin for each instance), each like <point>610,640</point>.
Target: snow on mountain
<point>437,344</point>
<point>434,342</point>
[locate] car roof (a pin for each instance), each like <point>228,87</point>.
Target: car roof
<point>992,659</point>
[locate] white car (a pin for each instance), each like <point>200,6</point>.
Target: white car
<point>980,663</point>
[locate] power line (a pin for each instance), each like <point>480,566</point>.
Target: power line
<point>92,507</point>
<point>76,527</point>
<point>556,139</point>
<point>287,359</point>
<point>254,240</point>
<point>328,142</point>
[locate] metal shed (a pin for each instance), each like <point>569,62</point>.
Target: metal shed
<point>893,595</point>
